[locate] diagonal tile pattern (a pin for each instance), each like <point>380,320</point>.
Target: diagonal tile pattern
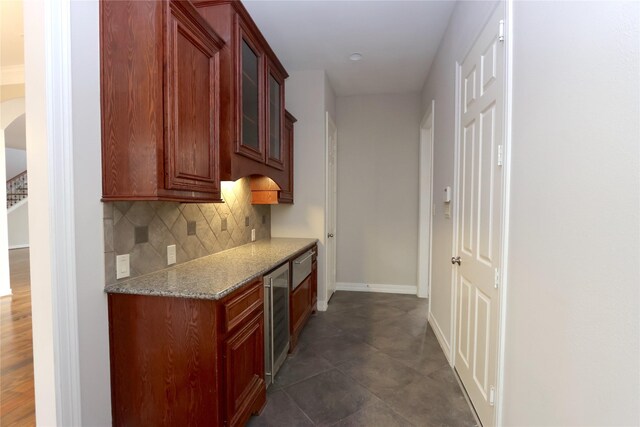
<point>370,360</point>
<point>167,225</point>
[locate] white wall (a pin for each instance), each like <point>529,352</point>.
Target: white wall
<point>466,22</point>
<point>9,111</point>
<point>572,341</point>
<point>306,96</point>
<point>15,161</point>
<point>18,225</point>
<point>377,216</point>
<point>93,329</point>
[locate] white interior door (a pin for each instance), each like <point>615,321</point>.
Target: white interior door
<point>332,141</point>
<point>481,113</point>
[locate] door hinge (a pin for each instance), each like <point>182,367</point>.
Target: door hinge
<point>492,395</point>
<point>496,282</point>
<point>500,155</point>
<point>501,31</point>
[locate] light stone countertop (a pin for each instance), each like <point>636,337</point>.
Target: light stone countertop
<point>217,275</point>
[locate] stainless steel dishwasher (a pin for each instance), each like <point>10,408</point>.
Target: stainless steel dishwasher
<point>276,321</point>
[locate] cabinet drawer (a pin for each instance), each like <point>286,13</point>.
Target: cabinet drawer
<point>241,304</point>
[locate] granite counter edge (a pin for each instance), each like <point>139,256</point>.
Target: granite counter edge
<point>123,288</point>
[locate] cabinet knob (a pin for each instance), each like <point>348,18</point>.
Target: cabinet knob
<point>455,260</point>
<point>330,235</point>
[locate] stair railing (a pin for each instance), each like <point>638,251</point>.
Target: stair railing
<point>17,189</point>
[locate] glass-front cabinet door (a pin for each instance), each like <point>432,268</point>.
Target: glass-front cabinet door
<point>250,141</point>
<point>275,118</point>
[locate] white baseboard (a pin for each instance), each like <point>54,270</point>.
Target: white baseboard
<point>322,305</point>
<point>376,287</point>
<point>446,348</point>
<point>19,246</point>
<point>5,292</point>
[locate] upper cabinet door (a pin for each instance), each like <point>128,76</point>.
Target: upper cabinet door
<point>275,118</point>
<point>160,101</point>
<point>250,87</point>
<point>191,104</point>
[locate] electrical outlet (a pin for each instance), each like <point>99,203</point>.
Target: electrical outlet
<point>253,234</point>
<point>122,266</point>
<point>171,254</point>
<point>191,228</point>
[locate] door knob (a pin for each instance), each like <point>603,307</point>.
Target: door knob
<point>455,260</point>
<point>330,235</point>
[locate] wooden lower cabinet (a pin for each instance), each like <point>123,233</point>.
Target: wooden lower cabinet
<point>244,368</point>
<point>187,362</point>
<point>314,285</point>
<point>303,302</point>
<point>300,309</point>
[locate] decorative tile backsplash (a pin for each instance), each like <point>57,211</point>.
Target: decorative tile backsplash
<point>145,229</point>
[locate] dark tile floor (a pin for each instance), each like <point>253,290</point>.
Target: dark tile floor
<point>370,360</point>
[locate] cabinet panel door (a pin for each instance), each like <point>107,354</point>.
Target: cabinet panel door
<point>244,370</point>
<point>131,96</point>
<point>191,106</point>
<point>300,308</point>
<point>250,65</point>
<point>314,285</point>
<point>275,118</point>
<point>286,191</point>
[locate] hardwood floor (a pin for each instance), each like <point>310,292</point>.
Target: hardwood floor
<point>17,402</point>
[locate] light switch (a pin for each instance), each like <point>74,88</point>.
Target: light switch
<point>171,254</point>
<point>122,266</point>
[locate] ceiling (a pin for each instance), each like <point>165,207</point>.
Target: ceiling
<point>11,33</point>
<point>397,39</point>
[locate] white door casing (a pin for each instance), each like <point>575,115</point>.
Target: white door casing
<point>425,222</point>
<point>331,133</point>
<point>478,240</point>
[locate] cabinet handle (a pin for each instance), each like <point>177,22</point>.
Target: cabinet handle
<point>305,258</point>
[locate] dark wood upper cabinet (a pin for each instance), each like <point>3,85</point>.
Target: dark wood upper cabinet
<point>275,118</point>
<point>250,109</point>
<point>286,193</point>
<point>160,93</point>
<point>263,190</point>
<point>252,98</point>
